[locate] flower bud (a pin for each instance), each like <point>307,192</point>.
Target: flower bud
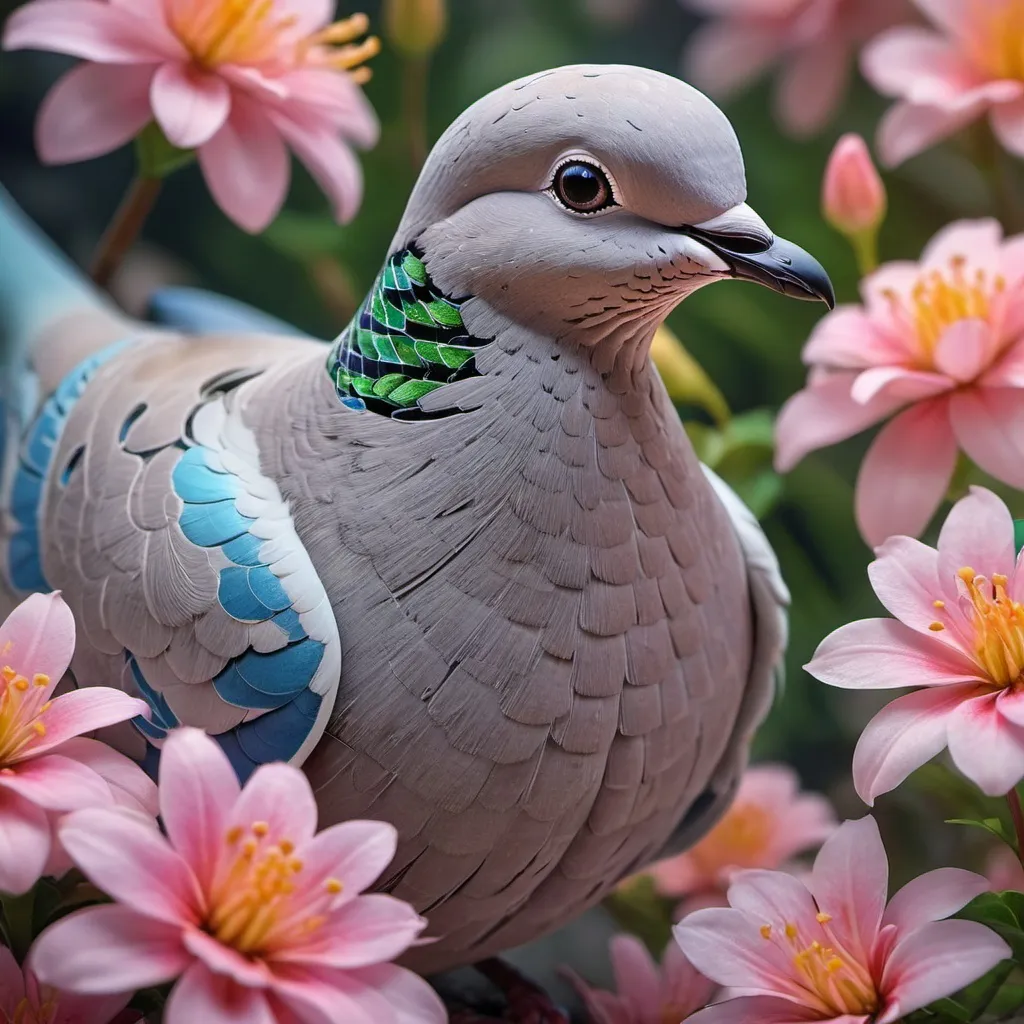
<point>852,196</point>
<point>415,28</point>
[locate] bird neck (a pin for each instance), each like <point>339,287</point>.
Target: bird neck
<point>405,340</point>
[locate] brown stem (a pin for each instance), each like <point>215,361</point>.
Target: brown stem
<point>1017,814</point>
<point>124,229</point>
<point>414,108</point>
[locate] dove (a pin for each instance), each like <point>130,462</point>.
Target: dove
<point>461,564</point>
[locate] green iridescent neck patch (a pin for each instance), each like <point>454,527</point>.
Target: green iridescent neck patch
<point>407,340</point>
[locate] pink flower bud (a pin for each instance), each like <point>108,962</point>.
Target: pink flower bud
<point>852,194</point>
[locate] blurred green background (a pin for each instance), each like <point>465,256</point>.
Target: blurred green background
<point>307,270</point>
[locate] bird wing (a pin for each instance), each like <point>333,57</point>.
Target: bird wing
<point>176,553</point>
<point>769,600</point>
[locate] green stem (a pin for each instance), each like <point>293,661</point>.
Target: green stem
<point>865,249</point>
<point>18,912</point>
<point>414,108</point>
<point>1017,815</point>
<point>124,229</point>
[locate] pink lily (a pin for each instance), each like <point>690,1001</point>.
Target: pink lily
<point>832,950</point>
<point>24,1001</point>
<point>939,347</point>
<point>259,918</point>
<point>646,993</point>
<point>238,82</point>
<point>966,66</point>
<point>768,824</point>
<point>959,634</point>
<point>47,767</point>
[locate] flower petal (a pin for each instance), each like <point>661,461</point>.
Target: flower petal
<point>25,839</point>
<point>637,979</point>
<point>932,897</point>
<point>978,532</point>
<point>12,984</point>
<point>907,129</point>
<point>917,64</point>
<point>130,786</point>
<point>822,414</point>
<point>965,349</point>
<point>81,711</point>
<point>133,863</point>
<point>367,930</point>
<point>762,1010</point>
<point>108,949</point>
<point>280,795</point>
<point>411,999</point>
<point>905,578</point>
<point>355,852</point>
<point>989,423</point>
<point>935,961</point>
<point>102,32</point>
<point>775,898</point>
<point>985,746</point>
<point>201,995</point>
<point>226,960</point>
<point>726,946</point>
<point>198,788</point>
<point>848,339</point>
<point>903,736</point>
<point>723,55</point>
<point>976,241</point>
<point>898,382</point>
<point>57,783</point>
<point>880,654</point>
<point>1008,124</point>
<point>906,472</point>
<point>329,160</point>
<point>246,166</point>
<point>1008,371</point>
<point>812,84</point>
<point>93,109</point>
<point>38,637</point>
<point>850,881</point>
<point>190,105</point>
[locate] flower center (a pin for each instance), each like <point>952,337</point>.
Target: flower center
<point>997,42</point>
<point>998,623</point>
<point>259,902</point>
<point>26,1013</point>
<point>939,300</point>
<point>22,706</point>
<point>739,839</point>
<point>825,971</point>
<point>250,32</point>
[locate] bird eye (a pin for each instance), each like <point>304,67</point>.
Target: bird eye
<point>582,187</point>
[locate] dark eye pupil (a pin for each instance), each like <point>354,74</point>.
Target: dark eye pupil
<point>582,187</point>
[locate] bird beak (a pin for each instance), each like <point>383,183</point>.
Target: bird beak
<point>746,245</point>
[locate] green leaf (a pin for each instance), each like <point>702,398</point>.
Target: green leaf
<point>993,825</point>
<point>992,911</point>
<point>1018,534</point>
<point>977,996</point>
<point>639,910</point>
<point>156,156</point>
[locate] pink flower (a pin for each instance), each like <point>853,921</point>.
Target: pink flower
<point>646,994</point>
<point>262,919</point>
<point>959,634</point>
<point>236,81</point>
<point>970,64</point>
<point>813,39</point>
<point>1003,870</point>
<point>831,950</point>
<point>943,341</point>
<point>46,766</point>
<point>24,1001</point>
<point>852,194</point>
<point>768,824</point>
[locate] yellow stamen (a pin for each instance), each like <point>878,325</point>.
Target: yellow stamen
<point>998,622</point>
<point>333,886</point>
<point>936,627</point>
<point>823,918</point>
<point>260,828</point>
<point>939,604</point>
<point>40,679</point>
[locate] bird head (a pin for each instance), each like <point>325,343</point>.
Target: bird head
<point>587,201</point>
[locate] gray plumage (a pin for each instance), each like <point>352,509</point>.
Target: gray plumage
<point>556,633</point>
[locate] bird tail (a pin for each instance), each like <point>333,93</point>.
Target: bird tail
<point>39,285</point>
